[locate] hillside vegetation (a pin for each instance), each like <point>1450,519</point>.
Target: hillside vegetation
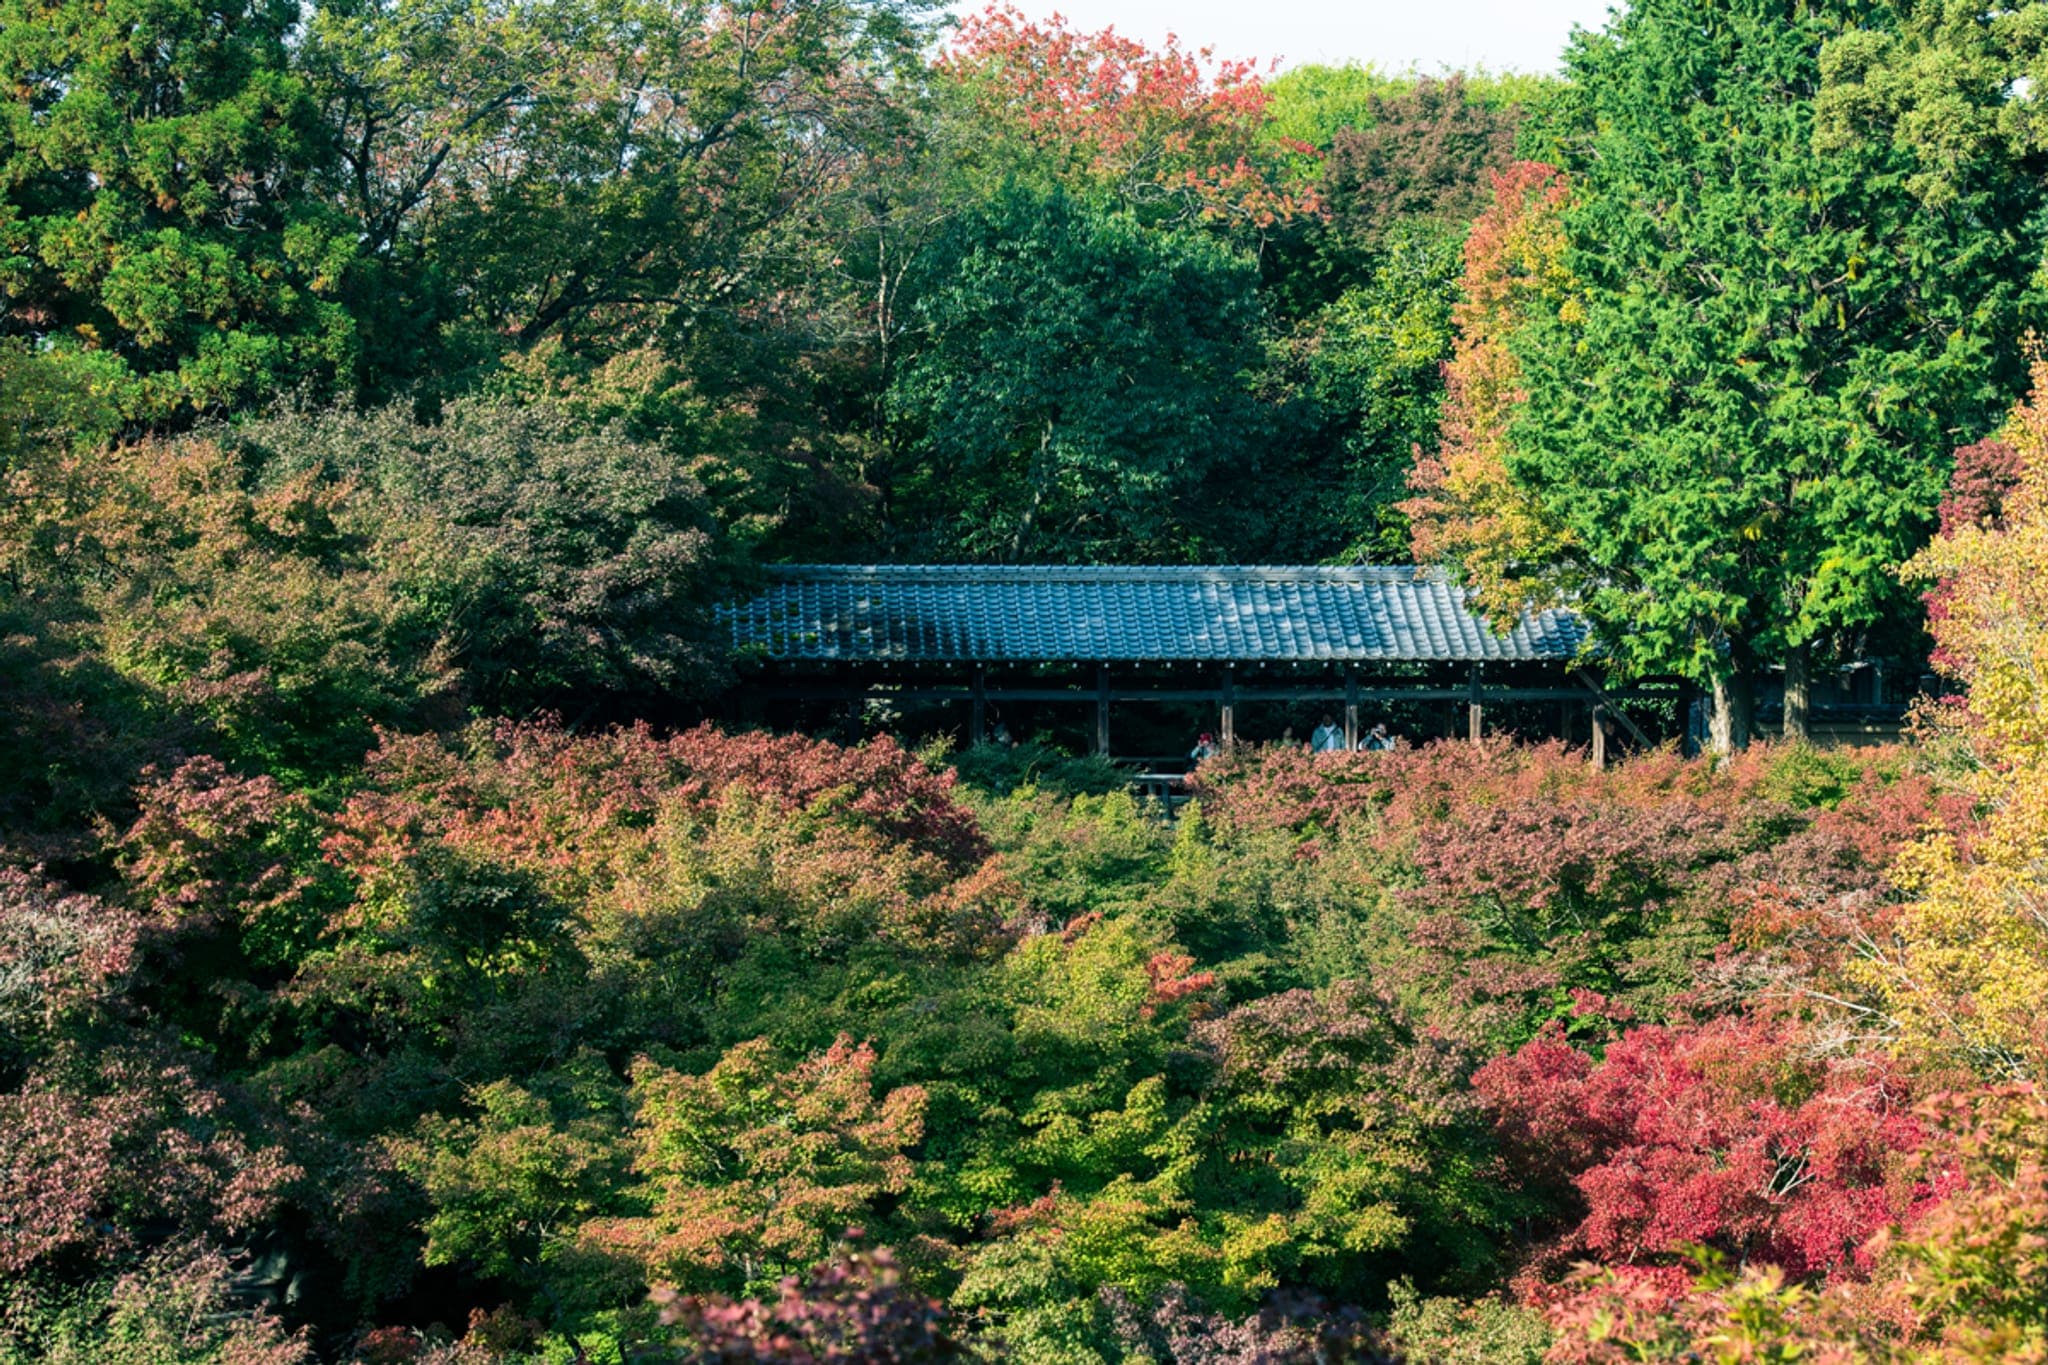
<point>395,966</point>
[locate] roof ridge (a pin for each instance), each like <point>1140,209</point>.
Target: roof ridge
<point>1105,572</point>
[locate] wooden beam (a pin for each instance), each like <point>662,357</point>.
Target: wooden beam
<point>1475,715</point>
<point>1351,708</point>
<point>1608,701</point>
<point>1599,737</point>
<point>1491,695</point>
<point>977,727</point>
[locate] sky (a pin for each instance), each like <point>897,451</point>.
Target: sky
<point>1514,35</point>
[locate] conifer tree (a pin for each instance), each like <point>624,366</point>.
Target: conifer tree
<point>1744,424</point>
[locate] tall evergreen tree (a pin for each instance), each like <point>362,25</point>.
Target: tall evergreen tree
<point>154,163</point>
<point>1743,418</point>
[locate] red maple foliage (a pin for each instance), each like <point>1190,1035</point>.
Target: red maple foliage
<point>1171,125</point>
<point>1962,1280</point>
<point>1530,825</point>
<point>1428,151</point>
<point>560,797</point>
<point>108,1131</point>
<point>1986,474</point>
<point>196,856</point>
<point>89,1162</point>
<point>869,836</point>
<point>1726,1134</point>
<point>65,958</point>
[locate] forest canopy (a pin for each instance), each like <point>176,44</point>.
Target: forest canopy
<point>396,966</point>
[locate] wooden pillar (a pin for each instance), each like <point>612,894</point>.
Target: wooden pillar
<point>1474,715</point>
<point>1599,737</point>
<point>1227,729</point>
<point>1102,710</point>
<point>1350,708</point>
<point>977,725</point>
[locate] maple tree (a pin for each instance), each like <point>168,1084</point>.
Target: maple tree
<point>1468,509</point>
<point>1106,1131</point>
<point>855,1307</point>
<point>1718,1135</point>
<point>1170,132</point>
<point>1959,1283</point>
<point>753,1169</point>
<point>1419,155</point>
<point>1958,967</point>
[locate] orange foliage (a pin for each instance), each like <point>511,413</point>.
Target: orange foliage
<point>1467,509</point>
<point>1171,126</point>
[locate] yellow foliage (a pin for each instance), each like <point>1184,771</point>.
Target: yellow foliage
<point>1966,964</point>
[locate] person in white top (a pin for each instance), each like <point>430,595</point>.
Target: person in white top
<point>1328,738</point>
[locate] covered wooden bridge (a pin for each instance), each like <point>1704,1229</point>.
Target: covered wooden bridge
<point>1392,645</point>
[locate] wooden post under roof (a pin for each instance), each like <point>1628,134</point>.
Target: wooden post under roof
<point>1599,737</point>
<point>1102,710</point>
<point>1227,730</point>
<point>977,726</point>
<point>1474,714</point>
<point>1350,707</point>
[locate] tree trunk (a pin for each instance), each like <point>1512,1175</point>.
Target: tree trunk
<point>1734,719</point>
<point>1798,693</point>
<point>1041,475</point>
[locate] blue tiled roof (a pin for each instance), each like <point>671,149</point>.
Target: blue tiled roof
<point>1108,613</point>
